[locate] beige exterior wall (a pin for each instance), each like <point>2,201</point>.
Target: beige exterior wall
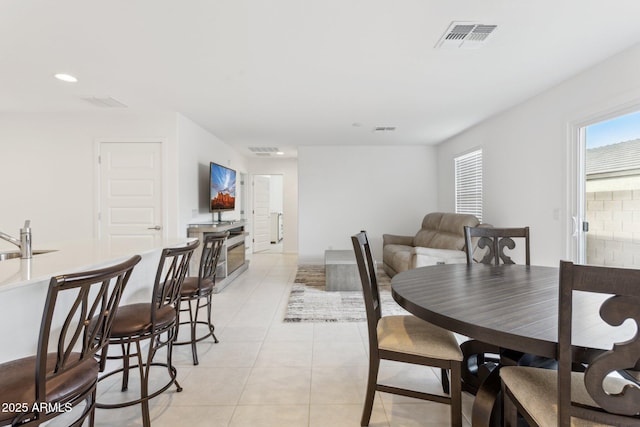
<point>613,213</point>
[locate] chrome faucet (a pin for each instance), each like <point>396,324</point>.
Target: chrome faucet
<point>25,240</point>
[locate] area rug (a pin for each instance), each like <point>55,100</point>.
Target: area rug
<point>309,302</point>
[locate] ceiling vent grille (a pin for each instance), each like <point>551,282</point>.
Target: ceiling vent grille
<point>264,149</point>
<point>384,128</point>
<point>468,35</point>
<point>106,102</point>
<point>263,154</point>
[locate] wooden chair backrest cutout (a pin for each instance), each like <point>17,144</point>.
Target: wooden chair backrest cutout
<point>494,241</point>
<point>623,303</point>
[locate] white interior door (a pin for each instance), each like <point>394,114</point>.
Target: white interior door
<point>130,192</point>
<point>261,207</point>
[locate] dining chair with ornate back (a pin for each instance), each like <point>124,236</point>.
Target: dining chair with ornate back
<point>597,397</point>
<point>403,338</point>
<point>494,241</point>
<point>150,321</point>
<point>490,243</point>
<point>36,389</point>
<point>197,291</point>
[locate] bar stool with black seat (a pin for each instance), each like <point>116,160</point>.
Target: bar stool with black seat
<point>197,291</point>
<point>597,396</point>
<point>404,338</point>
<point>38,388</point>
<point>155,322</point>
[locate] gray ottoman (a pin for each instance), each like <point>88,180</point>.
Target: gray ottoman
<point>341,271</point>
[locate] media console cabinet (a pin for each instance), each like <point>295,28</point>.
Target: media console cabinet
<point>232,261</point>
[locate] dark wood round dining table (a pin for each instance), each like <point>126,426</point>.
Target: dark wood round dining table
<point>511,306</point>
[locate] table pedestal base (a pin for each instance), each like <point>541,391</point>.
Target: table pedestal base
<point>487,406</point>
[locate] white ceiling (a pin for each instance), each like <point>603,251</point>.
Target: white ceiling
<point>284,73</point>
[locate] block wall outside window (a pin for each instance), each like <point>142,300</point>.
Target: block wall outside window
<point>614,223</point>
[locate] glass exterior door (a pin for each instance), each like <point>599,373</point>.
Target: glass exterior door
<point>608,224</point>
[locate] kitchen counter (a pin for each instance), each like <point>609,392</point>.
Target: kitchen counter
<point>24,283</point>
<point>67,257</point>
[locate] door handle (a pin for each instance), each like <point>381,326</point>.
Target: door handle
<point>157,227</point>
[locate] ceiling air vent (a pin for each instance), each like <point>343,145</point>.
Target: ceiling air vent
<point>468,35</point>
<point>267,150</point>
<point>384,128</point>
<point>105,102</point>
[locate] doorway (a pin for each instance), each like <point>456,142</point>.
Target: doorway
<point>130,193</point>
<point>268,216</point>
<point>608,224</point>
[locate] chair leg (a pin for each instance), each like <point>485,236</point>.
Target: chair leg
<point>374,366</point>
<point>92,414</point>
<point>456,395</point>
<point>211,327</point>
<point>193,322</point>
<point>144,363</point>
<point>126,353</point>
<point>444,378</point>
<point>173,373</point>
<point>144,381</point>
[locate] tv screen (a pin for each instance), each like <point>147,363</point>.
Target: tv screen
<point>222,183</point>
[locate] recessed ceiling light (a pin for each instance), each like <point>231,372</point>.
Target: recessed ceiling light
<point>66,78</point>
<point>280,153</point>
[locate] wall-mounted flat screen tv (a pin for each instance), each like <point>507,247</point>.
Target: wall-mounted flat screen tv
<point>222,184</point>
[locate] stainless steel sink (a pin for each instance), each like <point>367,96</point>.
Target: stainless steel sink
<point>16,254</point>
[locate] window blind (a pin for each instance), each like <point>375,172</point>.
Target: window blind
<point>468,170</point>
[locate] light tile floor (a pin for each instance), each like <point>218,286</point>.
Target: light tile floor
<point>264,372</point>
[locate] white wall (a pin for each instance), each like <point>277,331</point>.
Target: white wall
<point>380,189</point>
<point>197,148</point>
<point>526,153</point>
<point>48,165</point>
<point>288,169</point>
